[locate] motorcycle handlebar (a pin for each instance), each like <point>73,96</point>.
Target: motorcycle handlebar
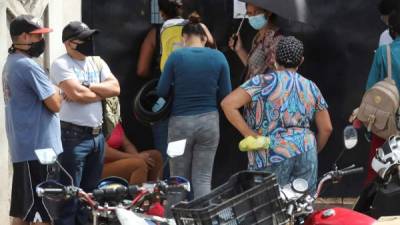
<point>50,191</point>
<point>336,175</point>
<point>132,190</point>
<point>352,171</point>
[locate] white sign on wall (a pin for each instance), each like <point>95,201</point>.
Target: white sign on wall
<point>239,9</point>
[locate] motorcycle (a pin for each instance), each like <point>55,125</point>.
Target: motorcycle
<point>110,205</point>
<point>381,197</point>
<point>114,202</point>
<point>299,201</point>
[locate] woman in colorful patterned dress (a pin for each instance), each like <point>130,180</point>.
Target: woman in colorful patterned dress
<point>282,105</point>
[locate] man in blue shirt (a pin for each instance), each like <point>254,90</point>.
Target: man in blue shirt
<point>31,104</point>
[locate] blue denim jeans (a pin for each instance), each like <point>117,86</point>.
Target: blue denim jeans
<point>301,166</point>
<point>83,159</point>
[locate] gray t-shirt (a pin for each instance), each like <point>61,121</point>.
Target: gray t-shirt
<point>65,68</point>
<point>29,124</point>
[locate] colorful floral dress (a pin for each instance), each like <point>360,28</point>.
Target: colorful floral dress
<point>283,106</point>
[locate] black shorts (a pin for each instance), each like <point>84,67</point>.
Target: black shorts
<point>25,204</point>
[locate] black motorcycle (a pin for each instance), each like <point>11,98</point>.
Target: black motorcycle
<point>382,196</point>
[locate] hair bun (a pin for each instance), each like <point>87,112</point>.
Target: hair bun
<point>194,18</point>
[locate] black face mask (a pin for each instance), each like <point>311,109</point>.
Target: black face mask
<point>37,48</point>
<point>86,48</point>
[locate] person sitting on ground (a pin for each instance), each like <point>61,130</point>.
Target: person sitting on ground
<point>122,159</point>
<point>282,105</point>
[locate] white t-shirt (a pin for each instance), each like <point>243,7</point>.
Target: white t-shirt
<point>65,68</point>
<point>385,38</point>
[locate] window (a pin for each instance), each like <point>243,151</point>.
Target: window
<point>155,13</point>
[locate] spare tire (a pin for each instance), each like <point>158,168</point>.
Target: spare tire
<point>145,100</point>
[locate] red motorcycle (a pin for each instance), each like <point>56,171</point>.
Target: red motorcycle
<point>300,203</point>
<point>116,203</point>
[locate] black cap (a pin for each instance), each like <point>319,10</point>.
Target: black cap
<point>27,24</point>
<point>77,30</point>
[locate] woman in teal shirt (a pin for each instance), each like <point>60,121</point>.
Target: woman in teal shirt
<point>198,78</point>
<point>377,73</point>
<point>378,70</point>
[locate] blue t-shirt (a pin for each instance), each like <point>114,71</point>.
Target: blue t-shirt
<point>29,124</point>
<point>199,78</point>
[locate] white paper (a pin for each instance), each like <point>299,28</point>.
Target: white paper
<point>239,9</point>
<point>176,148</point>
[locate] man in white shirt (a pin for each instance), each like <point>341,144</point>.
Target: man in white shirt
<point>84,80</point>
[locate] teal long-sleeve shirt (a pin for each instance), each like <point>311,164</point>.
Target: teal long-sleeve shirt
<point>198,77</point>
<point>378,70</point>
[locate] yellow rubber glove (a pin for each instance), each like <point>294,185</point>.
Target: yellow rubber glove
<point>251,143</point>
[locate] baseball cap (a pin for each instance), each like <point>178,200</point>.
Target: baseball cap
<point>27,24</point>
<point>77,30</point>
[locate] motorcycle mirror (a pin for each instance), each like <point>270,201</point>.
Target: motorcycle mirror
<point>350,137</point>
<point>300,185</point>
<point>176,148</point>
<point>46,156</point>
<point>179,182</point>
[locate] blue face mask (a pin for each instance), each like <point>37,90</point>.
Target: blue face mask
<point>258,21</point>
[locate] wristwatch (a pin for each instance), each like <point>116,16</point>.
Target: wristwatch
<point>86,83</point>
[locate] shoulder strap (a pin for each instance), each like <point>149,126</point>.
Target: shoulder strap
<point>157,52</point>
<point>98,63</point>
<point>389,62</point>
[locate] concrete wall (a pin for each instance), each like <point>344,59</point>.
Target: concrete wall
<point>55,14</point>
